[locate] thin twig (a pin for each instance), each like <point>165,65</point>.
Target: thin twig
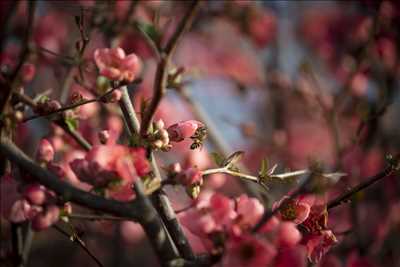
<point>76,239</point>
<point>95,217</point>
<point>160,83</point>
<point>363,185</point>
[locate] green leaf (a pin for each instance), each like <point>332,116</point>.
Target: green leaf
<point>218,159</point>
<point>235,157</point>
<point>72,123</point>
<point>150,31</point>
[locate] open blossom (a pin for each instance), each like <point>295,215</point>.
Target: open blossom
<point>247,250</point>
<point>249,210</point>
<point>319,244</point>
<point>293,210</point>
<point>106,164</point>
<point>114,64</point>
<point>184,129</point>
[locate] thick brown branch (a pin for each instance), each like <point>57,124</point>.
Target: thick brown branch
<point>66,191</point>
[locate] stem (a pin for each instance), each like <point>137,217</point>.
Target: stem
<point>363,185</point>
<point>76,239</point>
<point>95,217</point>
<point>160,83</point>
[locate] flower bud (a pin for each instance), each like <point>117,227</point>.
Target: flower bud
<point>45,151</point>
<point>159,124</point>
<point>35,194</point>
<point>181,130</point>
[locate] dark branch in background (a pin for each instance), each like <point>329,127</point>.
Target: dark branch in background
<point>363,185</point>
<point>160,83</point>
<point>22,57</point>
<point>77,240</point>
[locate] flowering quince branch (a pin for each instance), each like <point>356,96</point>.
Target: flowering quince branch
<point>76,239</point>
<point>95,217</point>
<point>161,79</point>
<point>140,210</point>
<point>392,168</point>
<point>73,133</point>
<point>80,103</point>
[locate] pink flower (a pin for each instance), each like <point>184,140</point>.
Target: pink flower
<point>190,176</point>
<point>45,151</point>
<point>319,244</point>
<point>288,234</point>
<point>184,129</point>
<point>115,65</point>
<point>112,167</point>
<point>45,219</point>
<point>35,194</point>
<point>19,211</point>
<point>247,250</point>
<point>292,210</point>
<point>249,210</point>
<point>28,72</point>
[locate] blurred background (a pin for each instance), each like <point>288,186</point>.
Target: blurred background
<point>296,82</point>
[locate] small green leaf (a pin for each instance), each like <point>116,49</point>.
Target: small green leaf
<point>218,159</point>
<point>150,31</point>
<point>235,157</point>
<point>72,123</point>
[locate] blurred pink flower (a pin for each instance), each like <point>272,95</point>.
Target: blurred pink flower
<point>247,250</point>
<point>319,244</point>
<point>288,234</point>
<point>189,176</point>
<point>115,65</point>
<point>104,165</point>
<point>46,218</point>
<point>28,72</point>
<point>45,151</point>
<point>249,211</point>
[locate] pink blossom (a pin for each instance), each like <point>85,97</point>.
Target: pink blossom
<point>35,194</point>
<point>222,210</point>
<point>19,211</point>
<point>115,65</point>
<point>184,129</point>
<point>249,210</point>
<point>190,176</point>
<point>319,244</point>
<point>105,164</point>
<point>288,234</point>
<point>46,218</point>
<point>28,72</point>
<point>45,151</point>
<point>292,210</point>
<point>247,250</point>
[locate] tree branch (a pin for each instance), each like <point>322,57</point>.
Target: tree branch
<point>363,185</point>
<point>160,83</point>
